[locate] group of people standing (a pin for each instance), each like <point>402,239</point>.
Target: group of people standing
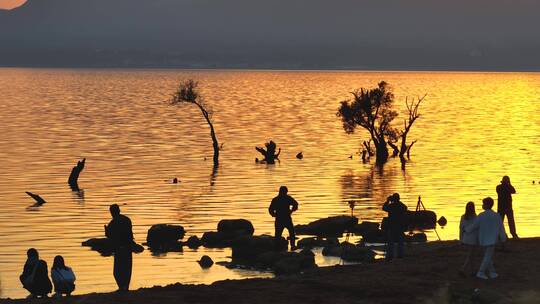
<point>487,229</point>
<point>484,230</point>
<point>35,276</point>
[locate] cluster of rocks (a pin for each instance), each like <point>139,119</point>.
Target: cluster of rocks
<point>332,247</point>
<point>350,252</point>
<point>227,232</point>
<point>330,226</point>
<point>259,252</point>
<point>312,242</point>
<point>338,225</point>
<point>265,252</point>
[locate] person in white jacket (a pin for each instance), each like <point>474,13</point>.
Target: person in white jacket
<point>490,231</point>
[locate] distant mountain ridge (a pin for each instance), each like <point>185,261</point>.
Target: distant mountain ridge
<point>385,34</point>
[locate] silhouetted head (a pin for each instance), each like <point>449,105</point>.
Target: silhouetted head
<point>58,262</point>
<point>283,190</point>
<point>505,180</point>
<point>395,197</point>
<point>470,211</point>
<point>115,210</point>
<point>32,253</point>
<point>487,203</point>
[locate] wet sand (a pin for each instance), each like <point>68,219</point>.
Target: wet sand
<point>428,274</point>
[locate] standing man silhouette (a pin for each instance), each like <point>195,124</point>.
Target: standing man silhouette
<point>396,225</point>
<point>490,231</point>
<point>119,231</point>
<point>504,203</point>
<point>281,208</point>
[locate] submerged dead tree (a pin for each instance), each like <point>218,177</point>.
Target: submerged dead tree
<point>372,110</point>
<point>412,109</point>
<point>74,175</point>
<point>269,155</point>
<point>188,93</point>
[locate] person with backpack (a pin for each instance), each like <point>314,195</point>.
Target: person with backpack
<point>35,276</point>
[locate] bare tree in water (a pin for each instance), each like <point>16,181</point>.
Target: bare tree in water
<point>401,134</point>
<point>372,110</point>
<point>188,93</point>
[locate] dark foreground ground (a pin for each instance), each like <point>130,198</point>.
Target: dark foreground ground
<point>429,274</point>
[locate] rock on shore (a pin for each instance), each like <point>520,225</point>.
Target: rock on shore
<point>263,252</point>
<point>165,238</point>
<point>227,232</point>
<point>106,247</point>
<point>350,252</point>
<point>330,226</point>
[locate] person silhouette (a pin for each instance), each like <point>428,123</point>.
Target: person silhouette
<point>281,207</point>
<point>119,231</point>
<point>490,231</point>
<point>32,257</point>
<point>395,225</point>
<point>504,203</point>
<point>468,239</point>
<point>63,277</point>
<point>35,276</point>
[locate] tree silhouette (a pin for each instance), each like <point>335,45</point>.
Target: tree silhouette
<point>372,110</point>
<point>188,93</point>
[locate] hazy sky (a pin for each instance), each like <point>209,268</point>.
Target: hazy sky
<point>460,34</point>
<point>10,3</point>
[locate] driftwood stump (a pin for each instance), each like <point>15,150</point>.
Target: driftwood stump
<point>74,176</point>
<point>269,154</point>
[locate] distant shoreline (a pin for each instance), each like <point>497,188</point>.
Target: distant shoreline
<point>429,272</point>
<point>269,69</point>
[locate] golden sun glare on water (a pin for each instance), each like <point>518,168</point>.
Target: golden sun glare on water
<point>9,4</point>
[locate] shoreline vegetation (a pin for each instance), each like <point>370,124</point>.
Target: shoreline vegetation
<point>337,69</point>
<point>427,274</point>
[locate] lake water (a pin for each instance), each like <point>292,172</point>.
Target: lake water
<point>475,128</point>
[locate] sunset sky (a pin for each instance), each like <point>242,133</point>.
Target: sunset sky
<point>10,3</point>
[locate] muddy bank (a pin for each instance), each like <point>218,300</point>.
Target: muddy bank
<point>428,274</point>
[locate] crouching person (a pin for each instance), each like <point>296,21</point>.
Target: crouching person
<point>63,277</point>
<point>35,276</point>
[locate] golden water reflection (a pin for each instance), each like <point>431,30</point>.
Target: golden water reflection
<point>475,128</point>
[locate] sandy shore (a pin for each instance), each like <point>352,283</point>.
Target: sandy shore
<point>428,274</point>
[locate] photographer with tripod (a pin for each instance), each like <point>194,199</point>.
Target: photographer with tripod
<point>395,226</point>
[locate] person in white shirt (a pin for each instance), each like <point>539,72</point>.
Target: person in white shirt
<point>63,277</point>
<point>469,239</point>
<point>490,231</point>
